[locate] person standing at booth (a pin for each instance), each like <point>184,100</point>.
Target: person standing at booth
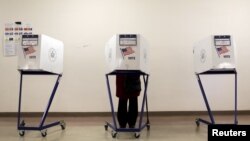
<point>128,88</point>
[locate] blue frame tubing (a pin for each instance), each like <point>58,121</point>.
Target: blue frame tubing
<point>21,124</point>
<point>141,126</point>
<point>217,72</point>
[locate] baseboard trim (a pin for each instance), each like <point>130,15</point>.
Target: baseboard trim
<point>103,114</point>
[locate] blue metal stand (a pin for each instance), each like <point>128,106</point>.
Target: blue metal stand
<point>141,125</point>
<point>21,124</point>
<point>216,72</point>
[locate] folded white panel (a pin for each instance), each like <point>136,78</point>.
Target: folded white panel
<point>126,52</point>
<point>41,53</point>
<point>214,52</point>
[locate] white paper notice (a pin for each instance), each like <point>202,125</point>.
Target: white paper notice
<point>12,37</point>
<point>8,41</point>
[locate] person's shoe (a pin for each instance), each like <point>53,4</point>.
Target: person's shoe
<point>123,126</point>
<point>131,126</point>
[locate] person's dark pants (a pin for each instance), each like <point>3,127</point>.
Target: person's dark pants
<point>127,114</point>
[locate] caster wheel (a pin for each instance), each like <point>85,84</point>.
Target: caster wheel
<point>21,133</point>
<point>44,133</point>
<point>62,124</point>
<point>197,122</point>
<point>106,127</point>
<point>137,135</point>
<point>114,134</point>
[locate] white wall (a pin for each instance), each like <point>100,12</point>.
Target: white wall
<point>171,27</point>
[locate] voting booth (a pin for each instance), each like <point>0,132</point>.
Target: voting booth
<point>215,52</point>
<point>39,55</point>
<point>126,54</point>
<point>215,55</point>
<point>40,52</point>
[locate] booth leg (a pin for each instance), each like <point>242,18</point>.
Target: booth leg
<point>207,105</point>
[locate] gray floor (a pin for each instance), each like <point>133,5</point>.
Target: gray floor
<point>162,128</point>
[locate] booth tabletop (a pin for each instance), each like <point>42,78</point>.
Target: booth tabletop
<point>220,71</point>
<point>129,72</point>
<point>36,72</point>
